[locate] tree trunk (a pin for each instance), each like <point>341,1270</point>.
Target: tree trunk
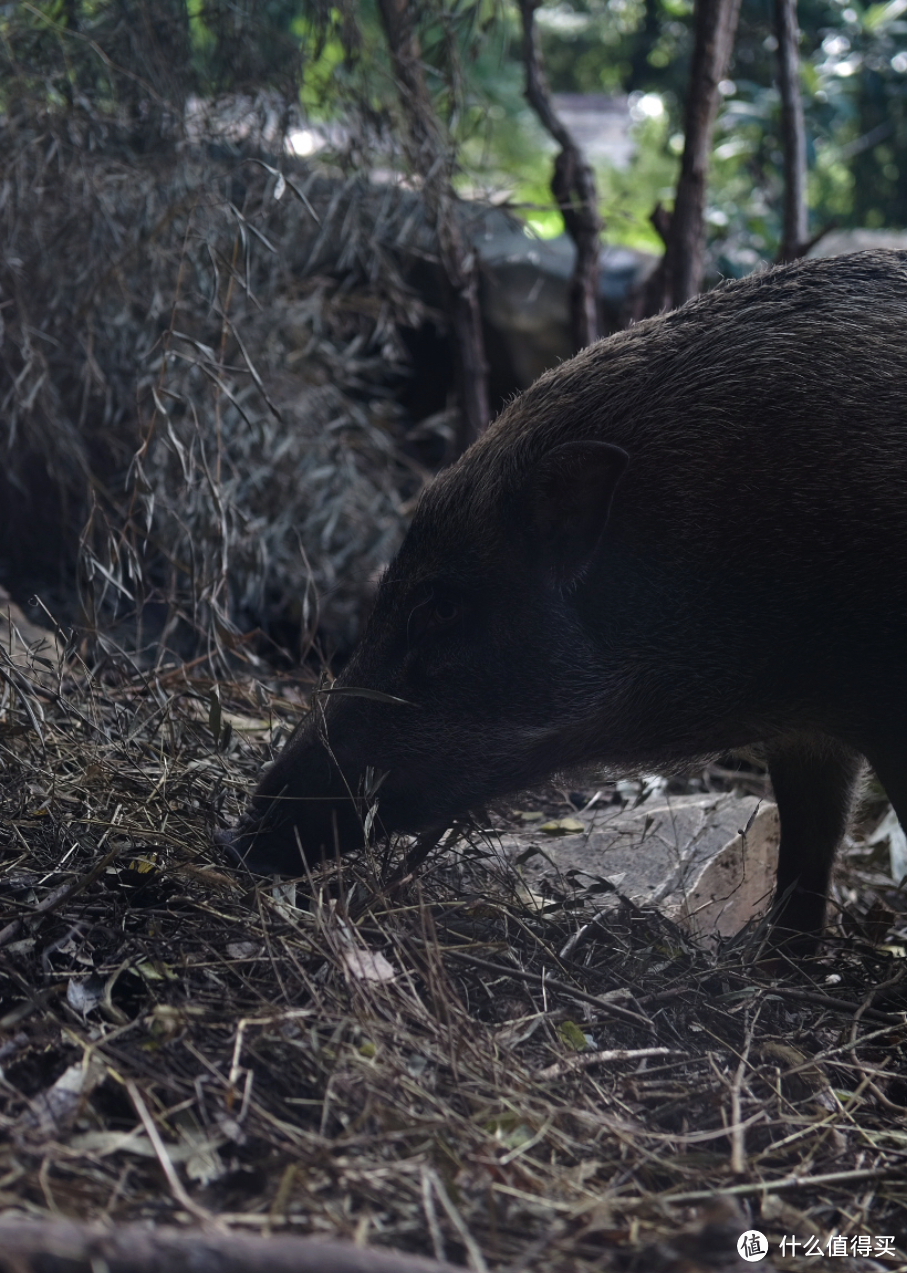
<point>65,1246</point>
<point>795,234</point>
<point>715,27</point>
<point>429,154</point>
<point>573,187</point>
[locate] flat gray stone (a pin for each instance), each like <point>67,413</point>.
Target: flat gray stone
<point>708,862</point>
<point>21,640</point>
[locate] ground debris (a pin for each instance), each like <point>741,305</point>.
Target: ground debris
<point>448,1064</point>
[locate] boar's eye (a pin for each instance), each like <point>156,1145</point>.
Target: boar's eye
<point>433,614</point>
<point>443,611</point>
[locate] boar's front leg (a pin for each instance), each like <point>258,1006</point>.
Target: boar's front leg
<point>814,779</point>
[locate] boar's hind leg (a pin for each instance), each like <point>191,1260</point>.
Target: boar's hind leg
<point>814,780</point>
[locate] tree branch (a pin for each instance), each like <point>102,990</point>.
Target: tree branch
<point>716,25</point>
<point>573,187</point>
<point>430,156</point>
<point>793,129</point>
<point>62,1246</point>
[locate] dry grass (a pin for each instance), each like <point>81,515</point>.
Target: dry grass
<point>396,1062</point>
<point>202,344</point>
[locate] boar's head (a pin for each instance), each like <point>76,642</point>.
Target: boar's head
<point>476,667</point>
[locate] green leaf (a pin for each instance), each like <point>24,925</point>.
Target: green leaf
<point>563,826</point>
<point>571,1035</point>
<point>879,15</point>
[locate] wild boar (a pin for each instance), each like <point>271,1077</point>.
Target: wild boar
<point>690,538</point>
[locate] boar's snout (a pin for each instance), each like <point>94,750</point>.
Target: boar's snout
<point>303,810</point>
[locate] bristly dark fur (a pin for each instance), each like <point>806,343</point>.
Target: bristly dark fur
<point>748,585</point>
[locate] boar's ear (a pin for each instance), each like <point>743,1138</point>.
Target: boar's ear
<point>571,489</point>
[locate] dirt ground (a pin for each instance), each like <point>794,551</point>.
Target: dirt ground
<point>443,1062</point>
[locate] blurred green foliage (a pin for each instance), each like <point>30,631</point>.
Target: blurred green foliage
<point>145,57</point>
<point>854,80</point>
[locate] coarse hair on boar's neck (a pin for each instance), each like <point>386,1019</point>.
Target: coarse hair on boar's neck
<point>691,537</point>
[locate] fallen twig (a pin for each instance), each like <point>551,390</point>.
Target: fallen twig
<point>58,1245</point>
<point>584,1060</point>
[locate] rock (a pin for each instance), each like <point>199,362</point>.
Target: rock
<point>708,862</point>
<point>22,640</point>
<point>524,297</point>
<point>839,242</point>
